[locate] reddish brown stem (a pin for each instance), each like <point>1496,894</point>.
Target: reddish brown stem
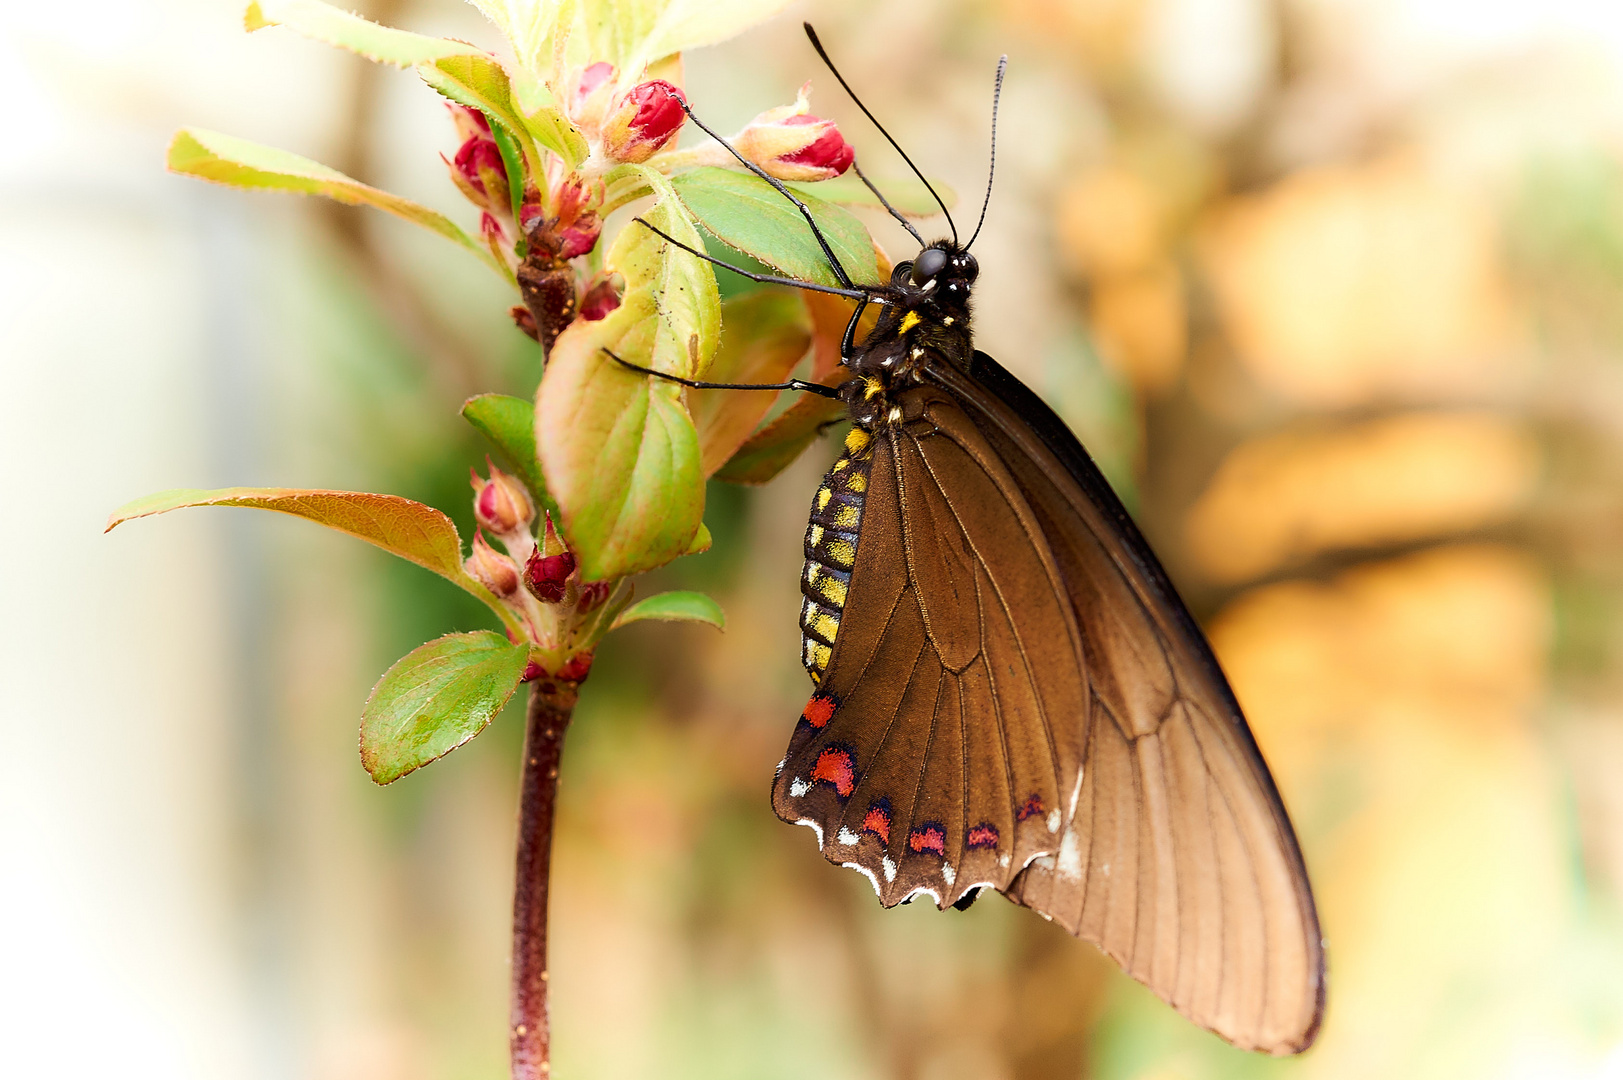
<point>552,702</point>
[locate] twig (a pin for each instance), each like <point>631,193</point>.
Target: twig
<point>552,703</point>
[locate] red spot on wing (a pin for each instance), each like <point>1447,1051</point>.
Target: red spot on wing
<point>877,821</point>
<point>1032,807</point>
<point>836,767</point>
<point>930,837</point>
<point>818,711</point>
<point>983,836</point>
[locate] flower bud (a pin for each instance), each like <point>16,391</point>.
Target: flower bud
<point>481,165</point>
<point>643,120</point>
<point>500,504</point>
<point>592,95</point>
<point>469,122</point>
<point>547,576</point>
<point>792,144</point>
<point>491,569</point>
<point>592,595</point>
<point>532,672</point>
<point>600,299</point>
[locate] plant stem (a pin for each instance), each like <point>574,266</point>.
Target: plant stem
<point>552,702</point>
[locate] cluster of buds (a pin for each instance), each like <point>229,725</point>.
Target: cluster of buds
<point>547,593</point>
<point>479,172</point>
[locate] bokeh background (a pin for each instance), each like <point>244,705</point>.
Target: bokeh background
<point>1332,288</point>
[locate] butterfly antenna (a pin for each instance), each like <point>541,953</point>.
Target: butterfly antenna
<point>895,213</point>
<point>818,45</point>
<point>991,170</point>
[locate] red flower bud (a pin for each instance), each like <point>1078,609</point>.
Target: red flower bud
<point>643,120</point>
<point>600,299</point>
<point>792,144</point>
<point>479,161</point>
<point>490,568</point>
<point>576,668</point>
<point>532,672</point>
<point>500,504</point>
<point>592,595</point>
<point>548,575</point>
<point>592,95</point>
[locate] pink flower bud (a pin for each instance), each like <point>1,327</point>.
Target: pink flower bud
<point>592,595</point>
<point>532,672</point>
<point>643,120</point>
<point>469,122</point>
<point>592,95</point>
<point>500,504</point>
<point>491,569</point>
<point>547,576</point>
<point>480,164</point>
<point>600,299</point>
<point>792,144</point>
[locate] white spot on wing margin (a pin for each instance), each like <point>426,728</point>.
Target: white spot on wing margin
<point>848,838</point>
<point>865,872</point>
<point>798,787</point>
<point>814,826</point>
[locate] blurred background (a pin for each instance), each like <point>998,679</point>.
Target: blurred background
<point>1332,288</point>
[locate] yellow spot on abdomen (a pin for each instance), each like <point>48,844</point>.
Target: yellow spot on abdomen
<point>825,625</point>
<point>856,440</point>
<point>909,321</point>
<point>833,590</point>
<point>823,496</point>
<point>841,554</point>
<point>816,535</point>
<point>846,517</point>
<point>856,482</point>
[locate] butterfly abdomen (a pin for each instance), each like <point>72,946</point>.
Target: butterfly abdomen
<point>831,551</point>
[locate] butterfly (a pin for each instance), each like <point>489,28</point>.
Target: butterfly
<point>1009,692</point>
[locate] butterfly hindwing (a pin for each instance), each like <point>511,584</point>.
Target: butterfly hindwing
<point>1180,861</point>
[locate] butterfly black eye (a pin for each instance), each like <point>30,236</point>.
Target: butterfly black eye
<point>931,261</point>
<point>966,265</point>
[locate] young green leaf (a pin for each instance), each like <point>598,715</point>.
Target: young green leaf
<point>435,698</point>
<point>549,125</point>
<point>768,333</point>
<point>701,541</point>
<point>479,82</point>
<point>675,607</point>
<point>748,214</point>
<point>417,533</point>
<point>509,424</point>
<point>226,159</point>
<point>322,22</point>
<point>618,449</point>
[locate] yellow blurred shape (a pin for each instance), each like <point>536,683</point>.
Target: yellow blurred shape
<point>1140,324</point>
<point>1109,223</point>
<point>1279,498</point>
<point>1393,705</point>
<point>1457,632</point>
<point>1341,285</point>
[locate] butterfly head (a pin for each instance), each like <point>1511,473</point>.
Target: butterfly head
<point>943,272</point>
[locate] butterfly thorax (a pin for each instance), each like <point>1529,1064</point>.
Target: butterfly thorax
<point>926,320</point>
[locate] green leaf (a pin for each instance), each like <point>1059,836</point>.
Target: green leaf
<point>701,541</point>
<point>382,44</point>
<point>768,333</point>
<point>770,450</point>
<point>634,33</point>
<point>675,607</point>
<point>509,424</point>
<point>417,533</point>
<point>618,449</point>
<point>907,194</point>
<point>513,165</point>
<point>479,82</point>
<point>547,122</point>
<point>748,214</point>
<point>435,698</point>
<point>226,159</point>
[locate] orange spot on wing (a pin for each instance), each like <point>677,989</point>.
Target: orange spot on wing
<point>1033,807</point>
<point>983,836</point>
<point>818,711</point>
<point>836,767</point>
<point>931,837</point>
<point>877,821</point>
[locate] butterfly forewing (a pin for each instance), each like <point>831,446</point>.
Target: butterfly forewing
<point>1179,861</point>
<point>943,747</point>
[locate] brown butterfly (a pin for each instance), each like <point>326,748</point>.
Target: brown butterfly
<point>1010,693</point>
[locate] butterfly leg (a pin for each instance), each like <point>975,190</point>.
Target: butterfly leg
<point>848,342</point>
<point>792,384</point>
